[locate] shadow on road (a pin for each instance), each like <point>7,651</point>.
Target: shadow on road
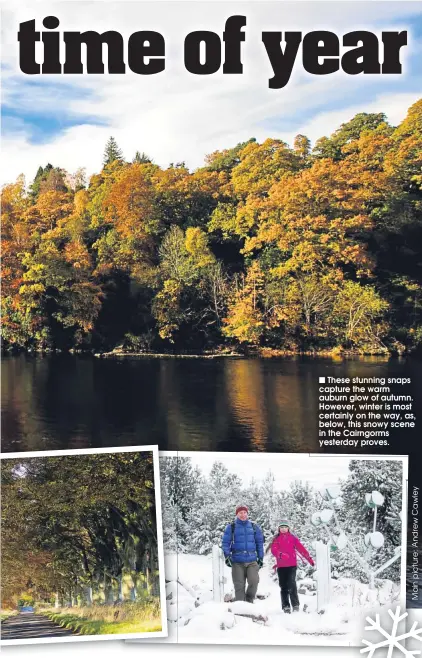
<point>26,625</point>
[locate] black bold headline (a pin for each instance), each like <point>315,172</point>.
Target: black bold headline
<point>322,52</point>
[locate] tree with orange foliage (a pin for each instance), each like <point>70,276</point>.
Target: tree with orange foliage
<point>244,321</point>
<point>151,255</point>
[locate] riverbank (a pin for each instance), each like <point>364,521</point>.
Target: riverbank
<point>231,353</point>
<point>264,353</point>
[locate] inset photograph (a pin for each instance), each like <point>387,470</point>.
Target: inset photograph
<point>82,546</point>
<point>281,549</point>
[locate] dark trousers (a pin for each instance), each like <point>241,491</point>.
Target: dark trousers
<point>287,582</point>
<point>242,572</point>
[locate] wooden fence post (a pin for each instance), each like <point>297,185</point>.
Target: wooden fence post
<point>323,574</point>
<point>218,578</point>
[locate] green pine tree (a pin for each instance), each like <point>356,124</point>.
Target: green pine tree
<point>112,152</point>
<point>141,158</point>
<point>40,177</point>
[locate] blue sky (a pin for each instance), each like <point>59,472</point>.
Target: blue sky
<point>176,116</point>
<point>43,124</point>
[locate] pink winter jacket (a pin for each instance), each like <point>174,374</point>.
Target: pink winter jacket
<point>284,549</point>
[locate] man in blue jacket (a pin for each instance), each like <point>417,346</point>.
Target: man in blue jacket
<point>243,548</point>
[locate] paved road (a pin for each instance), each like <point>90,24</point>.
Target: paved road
<point>26,625</point>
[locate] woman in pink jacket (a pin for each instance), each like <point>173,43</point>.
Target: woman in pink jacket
<point>284,547</point>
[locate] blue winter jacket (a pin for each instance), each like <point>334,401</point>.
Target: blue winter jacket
<point>247,546</point>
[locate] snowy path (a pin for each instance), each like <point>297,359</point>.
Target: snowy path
<point>195,618</point>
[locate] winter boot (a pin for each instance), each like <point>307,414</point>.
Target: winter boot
<point>287,610</point>
<point>296,608</point>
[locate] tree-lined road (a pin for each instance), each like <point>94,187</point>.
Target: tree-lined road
<point>96,513</point>
<point>26,625</point>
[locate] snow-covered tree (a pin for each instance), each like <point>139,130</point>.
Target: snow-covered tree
<point>170,527</point>
<point>197,508</point>
<point>356,517</point>
<point>181,485</point>
<point>262,499</point>
<point>214,508</point>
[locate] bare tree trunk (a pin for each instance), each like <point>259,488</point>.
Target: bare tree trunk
<point>88,595</point>
<point>133,589</point>
<point>108,589</point>
<point>147,579</point>
<point>120,588</point>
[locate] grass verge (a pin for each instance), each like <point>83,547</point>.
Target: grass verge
<point>5,614</point>
<point>109,620</point>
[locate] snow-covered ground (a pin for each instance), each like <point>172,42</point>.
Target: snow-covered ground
<point>195,618</point>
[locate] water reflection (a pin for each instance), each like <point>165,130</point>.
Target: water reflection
<point>64,401</point>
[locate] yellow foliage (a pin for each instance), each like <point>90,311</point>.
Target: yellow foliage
<point>196,243</point>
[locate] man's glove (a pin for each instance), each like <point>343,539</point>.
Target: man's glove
<point>260,562</point>
<point>228,561</point>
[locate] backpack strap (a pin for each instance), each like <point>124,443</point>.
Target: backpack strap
<point>254,530</point>
<point>254,534</point>
<point>254,526</point>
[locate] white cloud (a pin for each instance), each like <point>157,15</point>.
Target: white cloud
<point>395,107</point>
<point>176,116</point>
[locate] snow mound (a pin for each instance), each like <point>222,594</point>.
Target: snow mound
<point>199,619</point>
<point>211,610</point>
<point>244,608</point>
<point>175,612</point>
<point>228,621</point>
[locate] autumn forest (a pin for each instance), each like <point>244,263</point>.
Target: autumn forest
<point>267,247</point>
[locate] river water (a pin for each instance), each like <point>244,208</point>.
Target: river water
<point>224,404</point>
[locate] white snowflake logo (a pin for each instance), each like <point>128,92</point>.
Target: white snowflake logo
<point>393,640</point>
